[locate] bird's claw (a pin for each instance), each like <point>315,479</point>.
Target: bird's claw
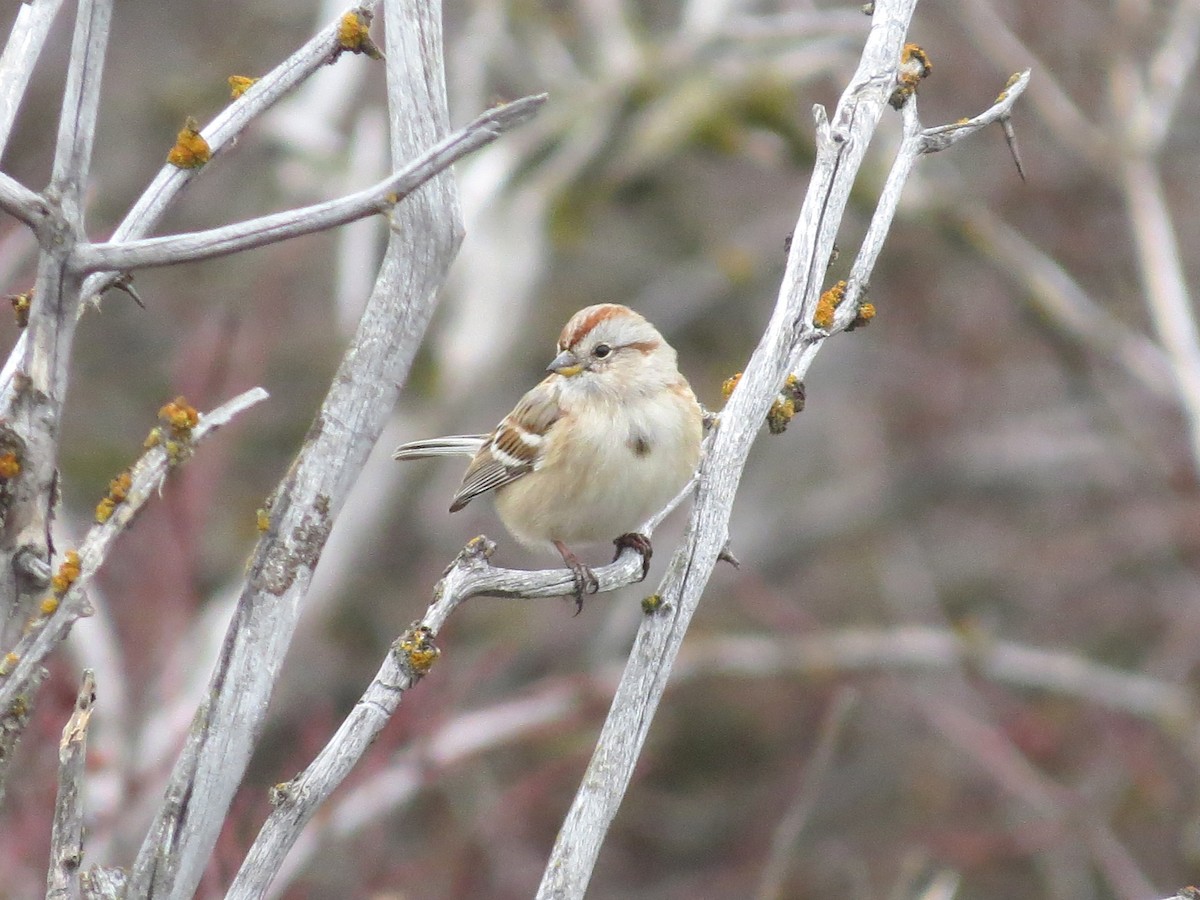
<point>585,583</point>
<point>638,542</point>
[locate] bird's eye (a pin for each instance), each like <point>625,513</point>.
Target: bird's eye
<point>601,351</point>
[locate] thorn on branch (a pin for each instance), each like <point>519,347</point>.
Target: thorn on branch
<point>191,150</point>
<point>1010,135</point>
<point>915,65</point>
<point>124,283</point>
<point>726,555</point>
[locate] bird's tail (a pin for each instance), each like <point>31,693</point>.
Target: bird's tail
<point>454,445</point>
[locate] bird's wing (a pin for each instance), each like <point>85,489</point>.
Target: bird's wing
<point>514,449</point>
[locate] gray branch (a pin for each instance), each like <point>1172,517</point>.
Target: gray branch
<point>221,133</point>
<point>383,197</point>
<point>35,411</point>
<point>21,52</point>
<point>147,476</point>
<point>21,203</point>
<point>422,243</point>
<point>66,842</point>
<point>470,575</point>
<point>840,150</point>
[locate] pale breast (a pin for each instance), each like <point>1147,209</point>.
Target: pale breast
<point>625,466</point>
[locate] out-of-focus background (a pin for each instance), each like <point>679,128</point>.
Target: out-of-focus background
<point>999,462</point>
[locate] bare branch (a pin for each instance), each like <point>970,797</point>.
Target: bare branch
<point>66,843</point>
<point>424,240</point>
<point>319,217</point>
<point>21,203</point>
<point>470,575</point>
<point>840,150</point>
<point>146,477</point>
<point>1164,284</point>
<point>787,832</point>
<point>221,133</point>
<point>35,411</point>
<point>20,55</point>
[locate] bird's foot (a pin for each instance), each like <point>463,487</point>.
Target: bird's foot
<point>584,578</point>
<point>641,544</point>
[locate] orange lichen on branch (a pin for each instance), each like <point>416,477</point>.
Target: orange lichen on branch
<point>66,574</point>
<point>729,384</point>
<point>239,84</point>
<point>9,662</point>
<point>20,304</point>
<point>118,490</point>
<point>866,312</point>
<point>262,519</point>
<point>823,316</point>
<point>10,466</point>
<point>180,416</point>
<point>789,402</point>
<point>48,605</point>
<point>416,649</point>
<point>914,66</point>
<point>191,150</point>
<point>353,34</point>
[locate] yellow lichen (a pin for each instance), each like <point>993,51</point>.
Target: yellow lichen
<point>153,439</point>
<point>823,317</point>
<point>262,519</point>
<point>10,466</point>
<point>10,660</point>
<point>416,646</point>
<point>119,487</point>
<point>191,150</point>
<point>239,84</point>
<point>652,604</point>
<point>180,416</point>
<point>49,605</point>
<point>353,35</point>
<point>21,304</point>
<point>67,573</point>
<point>914,65</point>
<point>729,384</point>
<point>104,510</point>
<point>789,402</point>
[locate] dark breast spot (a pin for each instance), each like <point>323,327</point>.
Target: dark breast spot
<point>639,444</point>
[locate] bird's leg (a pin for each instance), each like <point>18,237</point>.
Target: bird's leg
<point>638,542</point>
<point>585,579</point>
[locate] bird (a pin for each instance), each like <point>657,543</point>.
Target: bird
<point>605,440</point>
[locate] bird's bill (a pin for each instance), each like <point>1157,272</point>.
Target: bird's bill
<point>566,363</point>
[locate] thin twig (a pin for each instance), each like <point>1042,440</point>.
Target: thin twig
<point>221,133</point>
<point>799,812</point>
<point>382,197</point>
<point>66,842</point>
<point>20,55</point>
<point>146,477</point>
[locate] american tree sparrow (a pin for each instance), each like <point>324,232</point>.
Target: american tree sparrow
<point>597,447</point>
